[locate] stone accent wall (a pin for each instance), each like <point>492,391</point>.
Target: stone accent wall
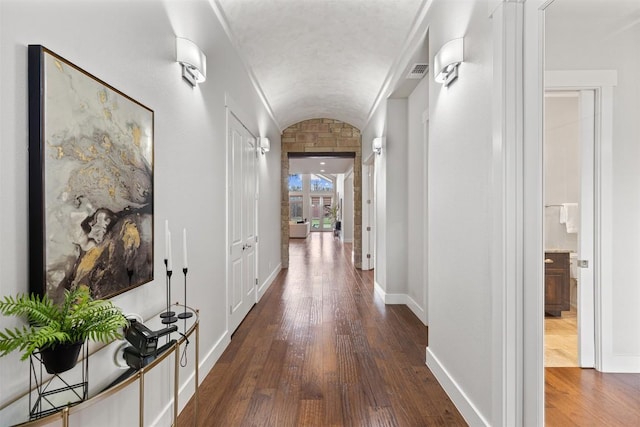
<point>323,136</point>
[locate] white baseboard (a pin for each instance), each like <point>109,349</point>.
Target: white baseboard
<point>468,410</point>
<point>402,299</point>
<point>389,298</point>
<point>622,364</point>
<point>399,299</point>
<point>268,281</point>
<point>420,312</point>
<point>377,289</point>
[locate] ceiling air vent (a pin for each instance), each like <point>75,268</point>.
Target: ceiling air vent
<point>418,71</point>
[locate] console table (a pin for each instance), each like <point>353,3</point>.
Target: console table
<point>186,328</point>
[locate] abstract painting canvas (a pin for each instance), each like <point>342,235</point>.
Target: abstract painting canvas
<point>90,182</point>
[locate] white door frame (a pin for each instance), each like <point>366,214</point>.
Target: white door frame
<point>425,209</point>
<point>518,397</point>
<point>589,131</point>
<point>368,213</point>
<point>602,82</point>
<point>526,26</point>
<point>232,109</point>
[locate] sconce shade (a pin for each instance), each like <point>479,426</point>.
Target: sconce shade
<point>193,60</point>
<point>447,60</point>
<point>265,144</point>
<point>376,145</point>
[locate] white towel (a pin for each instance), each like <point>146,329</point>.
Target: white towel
<point>570,217</point>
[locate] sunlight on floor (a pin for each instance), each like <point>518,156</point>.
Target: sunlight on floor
<point>561,340</point>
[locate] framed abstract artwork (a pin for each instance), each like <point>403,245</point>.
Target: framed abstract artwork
<point>90,182</point>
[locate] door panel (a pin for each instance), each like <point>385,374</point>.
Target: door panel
<point>236,284</point>
<point>249,236</point>
<point>236,180</point>
<point>241,221</point>
<point>586,315</point>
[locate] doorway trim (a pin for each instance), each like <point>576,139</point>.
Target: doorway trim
<point>233,109</point>
<point>425,209</point>
<point>322,138</point>
<point>517,180</point>
<point>368,213</point>
<point>531,194</point>
<point>602,82</point>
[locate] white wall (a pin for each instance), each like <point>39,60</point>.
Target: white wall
<point>561,167</point>
<point>132,47</point>
<point>459,244</point>
<point>269,187</point>
<point>602,39</point>
<point>465,313</point>
<point>391,202</point>
<point>416,203</point>
<point>397,196</point>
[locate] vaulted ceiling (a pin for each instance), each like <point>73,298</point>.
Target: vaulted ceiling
<point>319,58</point>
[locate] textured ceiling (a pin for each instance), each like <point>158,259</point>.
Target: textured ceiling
<point>319,58</point>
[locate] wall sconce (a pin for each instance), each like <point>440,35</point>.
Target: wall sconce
<point>447,60</point>
<point>376,145</point>
<point>193,61</point>
<point>265,144</point>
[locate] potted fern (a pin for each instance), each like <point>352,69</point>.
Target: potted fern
<point>57,332</point>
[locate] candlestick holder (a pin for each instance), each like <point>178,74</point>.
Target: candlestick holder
<point>185,314</point>
<point>168,316</point>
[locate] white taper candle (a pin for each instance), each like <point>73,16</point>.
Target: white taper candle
<point>166,239</point>
<point>184,248</point>
<point>169,262</point>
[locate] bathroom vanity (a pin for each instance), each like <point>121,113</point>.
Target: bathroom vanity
<point>556,282</point>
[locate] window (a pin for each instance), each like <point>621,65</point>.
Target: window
<point>328,217</point>
<point>320,184</point>
<point>295,208</point>
<point>295,182</point>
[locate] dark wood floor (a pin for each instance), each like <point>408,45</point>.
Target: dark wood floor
<point>320,350</point>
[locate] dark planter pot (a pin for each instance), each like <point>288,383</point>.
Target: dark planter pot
<point>60,358</point>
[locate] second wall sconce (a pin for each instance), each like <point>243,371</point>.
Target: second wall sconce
<point>377,144</point>
<point>193,61</point>
<point>265,144</point>
<point>447,60</point>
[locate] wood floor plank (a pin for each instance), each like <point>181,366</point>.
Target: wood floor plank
<point>310,413</point>
<point>320,349</point>
<point>587,397</point>
<point>270,369</point>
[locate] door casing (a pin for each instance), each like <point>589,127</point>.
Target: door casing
<point>601,83</point>
<point>241,221</point>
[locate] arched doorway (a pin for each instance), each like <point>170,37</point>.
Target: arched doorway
<point>320,137</point>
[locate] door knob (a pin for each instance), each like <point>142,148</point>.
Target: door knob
<point>548,261</point>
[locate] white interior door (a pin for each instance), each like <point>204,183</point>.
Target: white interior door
<point>241,285</point>
<point>586,259</point>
